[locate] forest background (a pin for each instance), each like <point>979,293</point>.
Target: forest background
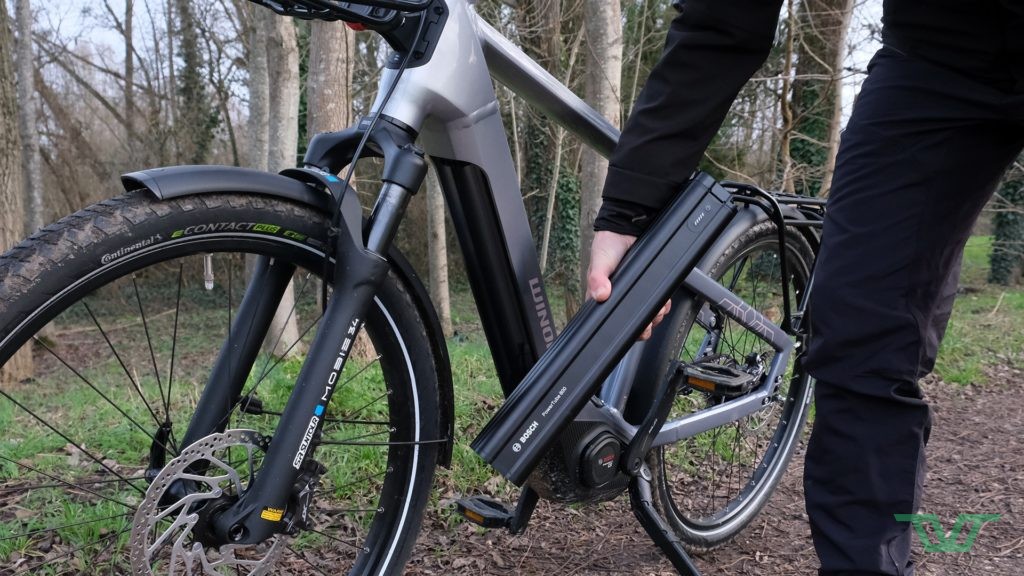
<point>89,91</point>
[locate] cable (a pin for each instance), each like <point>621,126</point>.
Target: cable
<point>336,212</point>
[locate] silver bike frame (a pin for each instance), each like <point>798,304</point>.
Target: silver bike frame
<point>450,101</point>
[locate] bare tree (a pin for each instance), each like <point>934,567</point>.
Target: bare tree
<point>129,75</point>
<point>329,83</point>
<point>602,21</point>
<point>11,191</point>
<point>283,73</point>
<point>258,148</point>
<point>27,129</point>
<point>438,253</point>
<point>816,108</point>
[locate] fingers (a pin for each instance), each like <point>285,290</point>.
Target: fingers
<point>606,252</point>
<point>599,287</point>
<point>649,331</point>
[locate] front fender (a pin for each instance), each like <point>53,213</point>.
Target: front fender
<point>180,181</point>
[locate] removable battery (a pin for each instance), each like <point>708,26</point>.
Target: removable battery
<point>579,360</point>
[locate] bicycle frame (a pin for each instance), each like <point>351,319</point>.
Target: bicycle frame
<point>450,103</point>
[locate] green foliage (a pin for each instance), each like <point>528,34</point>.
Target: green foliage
<point>1008,248</point>
<point>302,32</point>
<point>987,325</point>
<point>809,147</point>
<point>565,230</point>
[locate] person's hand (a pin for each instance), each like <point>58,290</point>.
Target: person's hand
<point>606,252</point>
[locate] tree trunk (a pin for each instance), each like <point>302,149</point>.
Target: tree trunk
<point>438,251</point>
<point>259,90</point>
<point>819,56</point>
<point>602,21</point>
<point>197,117</point>
<point>283,73</point>
<point>18,367</point>
<point>129,80</point>
<point>837,109</point>
<point>27,126</point>
<point>539,31</point>
<point>329,84</point>
<point>785,102</point>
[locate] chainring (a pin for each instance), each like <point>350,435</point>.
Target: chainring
<point>164,538</point>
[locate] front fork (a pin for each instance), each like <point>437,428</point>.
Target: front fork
<point>360,268</point>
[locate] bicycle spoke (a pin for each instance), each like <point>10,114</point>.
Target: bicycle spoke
<point>354,439</point>
<point>263,375</point>
<point>152,354</point>
<point>304,559</point>
<point>291,312</point>
<point>174,335</point>
<point>62,482</point>
<point>361,480</point>
<point>254,387</point>
<point>98,392</point>
<point>69,440</point>
<point>106,538</point>
<point>339,540</point>
<point>370,403</point>
<point>58,528</point>
<point>65,483</point>
<point>410,443</point>
<point>103,333</point>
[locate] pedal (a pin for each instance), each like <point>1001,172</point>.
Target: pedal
<point>483,511</point>
<point>717,379</point>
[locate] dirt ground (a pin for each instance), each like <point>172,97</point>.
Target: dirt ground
<point>976,465</point>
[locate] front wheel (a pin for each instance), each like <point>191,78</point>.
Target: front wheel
<point>122,310</point>
<point>709,487</point>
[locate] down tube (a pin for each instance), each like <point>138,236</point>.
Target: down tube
<point>501,263</point>
<point>748,317</point>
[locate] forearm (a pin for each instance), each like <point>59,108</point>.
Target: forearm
<point>712,49</point>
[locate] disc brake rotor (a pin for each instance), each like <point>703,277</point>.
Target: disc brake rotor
<point>165,537</point>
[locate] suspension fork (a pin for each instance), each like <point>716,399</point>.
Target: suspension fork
<point>269,281</point>
<point>359,270</point>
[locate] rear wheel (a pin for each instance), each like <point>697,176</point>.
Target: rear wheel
<point>123,308</point>
<point>710,486</point>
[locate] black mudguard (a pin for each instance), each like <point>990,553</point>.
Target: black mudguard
<point>180,181</point>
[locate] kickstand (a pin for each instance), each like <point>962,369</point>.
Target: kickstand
<point>642,502</point>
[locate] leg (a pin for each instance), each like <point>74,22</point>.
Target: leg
<point>921,156</point>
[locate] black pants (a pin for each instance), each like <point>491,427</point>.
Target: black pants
<point>921,155</point>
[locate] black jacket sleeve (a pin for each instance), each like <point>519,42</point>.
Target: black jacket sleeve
<point>712,49</point>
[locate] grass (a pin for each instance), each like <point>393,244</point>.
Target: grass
<point>987,325</point>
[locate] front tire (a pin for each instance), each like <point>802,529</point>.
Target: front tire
<point>123,308</point>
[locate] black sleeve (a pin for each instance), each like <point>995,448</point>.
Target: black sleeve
<point>712,49</point>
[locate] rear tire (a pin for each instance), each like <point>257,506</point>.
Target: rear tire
<point>123,307</point>
<point>711,486</point>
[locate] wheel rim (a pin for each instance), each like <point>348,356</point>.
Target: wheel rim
<point>72,466</point>
<point>716,480</point>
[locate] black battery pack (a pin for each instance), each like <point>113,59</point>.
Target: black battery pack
<point>579,360</point>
